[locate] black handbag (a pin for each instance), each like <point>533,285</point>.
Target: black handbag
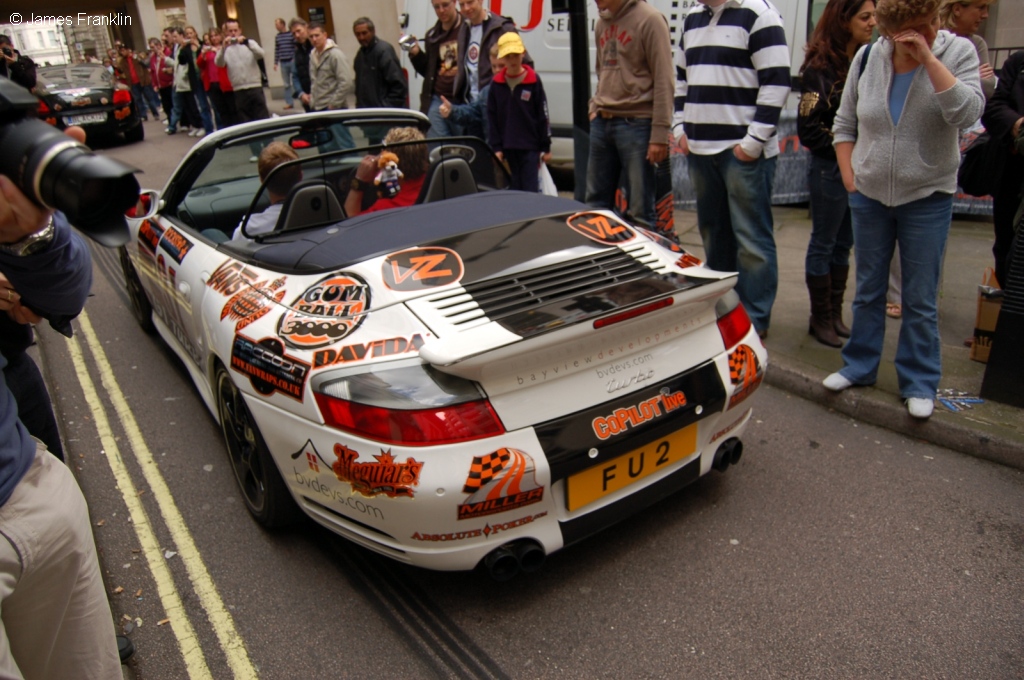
<point>981,166</point>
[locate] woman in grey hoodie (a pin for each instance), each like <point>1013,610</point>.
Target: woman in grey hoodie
<point>896,141</point>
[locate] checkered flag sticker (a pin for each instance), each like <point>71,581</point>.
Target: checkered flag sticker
<point>502,473</point>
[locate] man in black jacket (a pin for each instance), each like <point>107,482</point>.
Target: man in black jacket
<point>479,33</point>
<point>15,65</point>
<point>301,82</point>
<point>379,78</point>
<point>438,62</point>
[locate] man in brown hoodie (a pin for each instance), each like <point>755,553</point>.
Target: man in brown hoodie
<point>631,112</point>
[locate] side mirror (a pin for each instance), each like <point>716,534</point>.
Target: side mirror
<point>147,205</point>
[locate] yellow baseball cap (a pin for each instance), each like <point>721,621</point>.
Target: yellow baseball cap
<point>510,43</point>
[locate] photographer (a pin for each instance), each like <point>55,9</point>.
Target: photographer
<point>15,65</point>
<point>56,620</point>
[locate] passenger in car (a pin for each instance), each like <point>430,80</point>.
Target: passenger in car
<point>412,161</point>
<point>273,155</point>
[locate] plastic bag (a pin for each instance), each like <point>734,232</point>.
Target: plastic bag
<point>547,185</point>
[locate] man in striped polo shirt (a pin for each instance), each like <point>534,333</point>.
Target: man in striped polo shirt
<point>732,80</point>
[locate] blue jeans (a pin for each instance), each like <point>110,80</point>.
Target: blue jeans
<point>145,98</point>
<point>204,108</point>
<point>618,149</point>
<point>286,75</point>
<point>831,226</point>
<point>177,109</point>
<point>734,214</point>
<point>439,125</point>
<point>920,227</point>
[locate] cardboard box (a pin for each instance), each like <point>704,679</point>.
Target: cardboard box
<point>990,300</point>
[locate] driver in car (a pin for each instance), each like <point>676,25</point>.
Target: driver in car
<point>273,155</point>
<point>413,163</point>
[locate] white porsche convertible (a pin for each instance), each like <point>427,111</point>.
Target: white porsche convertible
<point>479,377</point>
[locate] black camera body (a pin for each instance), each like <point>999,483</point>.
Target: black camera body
<point>57,172</point>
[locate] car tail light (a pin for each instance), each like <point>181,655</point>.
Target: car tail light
<point>122,97</point>
<point>43,110</point>
<point>733,322</point>
<point>413,405</point>
<point>633,313</point>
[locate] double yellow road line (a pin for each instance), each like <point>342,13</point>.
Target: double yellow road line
<point>219,617</point>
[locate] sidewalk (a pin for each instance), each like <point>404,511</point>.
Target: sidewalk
<point>798,363</point>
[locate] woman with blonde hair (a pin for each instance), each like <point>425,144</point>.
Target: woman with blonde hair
<point>897,144</point>
<point>964,17</point>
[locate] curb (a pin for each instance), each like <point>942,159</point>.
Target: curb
<point>875,407</point>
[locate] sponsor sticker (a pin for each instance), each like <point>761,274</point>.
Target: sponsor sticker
<point>487,531</point>
<point>176,245</point>
<point>745,372</point>
<point>687,260</point>
<point>367,350</point>
<point>384,476</point>
<point>326,312</point>
<point>420,268</point>
<point>253,303</point>
<point>624,419</point>
<point>601,228</point>
<point>499,481</point>
<point>268,367</point>
<point>149,235</point>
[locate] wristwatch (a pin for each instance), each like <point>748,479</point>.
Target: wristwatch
<point>32,243</point>
<point>360,185</point>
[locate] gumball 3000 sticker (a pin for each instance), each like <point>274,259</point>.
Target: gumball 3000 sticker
<point>326,312</point>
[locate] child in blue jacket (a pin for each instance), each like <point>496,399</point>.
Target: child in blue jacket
<point>517,114</point>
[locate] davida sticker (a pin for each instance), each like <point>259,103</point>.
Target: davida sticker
<point>601,228</point>
<point>326,312</point>
<point>502,480</point>
<point>268,367</point>
<point>745,372</point>
<point>420,268</point>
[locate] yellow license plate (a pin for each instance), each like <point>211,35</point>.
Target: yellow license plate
<point>599,481</point>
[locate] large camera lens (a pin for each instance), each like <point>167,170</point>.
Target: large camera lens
<point>57,172</point>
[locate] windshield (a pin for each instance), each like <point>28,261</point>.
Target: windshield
<point>82,75</point>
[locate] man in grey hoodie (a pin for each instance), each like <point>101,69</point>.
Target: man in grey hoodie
<point>329,73</point>
<point>239,56</point>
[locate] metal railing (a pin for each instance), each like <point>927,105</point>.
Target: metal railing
<point>997,55</point>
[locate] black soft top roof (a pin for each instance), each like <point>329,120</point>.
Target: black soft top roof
<point>360,238</point>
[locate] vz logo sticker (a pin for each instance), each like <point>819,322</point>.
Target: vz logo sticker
<point>601,228</point>
<point>419,268</point>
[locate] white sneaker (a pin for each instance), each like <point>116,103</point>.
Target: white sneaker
<point>253,159</point>
<point>200,133</point>
<point>919,407</point>
<point>836,383</point>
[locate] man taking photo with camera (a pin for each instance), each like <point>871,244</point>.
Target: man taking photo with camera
<point>15,65</point>
<point>55,620</point>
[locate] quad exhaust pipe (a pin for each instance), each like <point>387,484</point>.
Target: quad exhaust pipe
<point>504,562</point>
<point>729,453</point>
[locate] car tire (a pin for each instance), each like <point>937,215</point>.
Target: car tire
<point>263,491</point>
<point>142,310</point>
<point>135,134</point>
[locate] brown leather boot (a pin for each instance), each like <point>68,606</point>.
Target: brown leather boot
<point>839,274</point>
<point>821,311</point>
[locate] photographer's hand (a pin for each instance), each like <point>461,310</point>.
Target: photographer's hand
<point>10,302</point>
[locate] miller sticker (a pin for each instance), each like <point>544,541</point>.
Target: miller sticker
<point>601,228</point>
<point>503,480</point>
<point>420,268</point>
<point>745,372</point>
<point>268,367</point>
<point>326,312</point>
<point>384,476</point>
